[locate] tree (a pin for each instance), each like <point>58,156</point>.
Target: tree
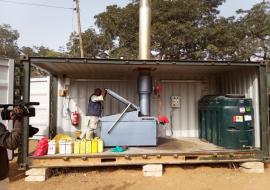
<point>94,45</point>
<point>178,27</point>
<point>41,51</point>
<point>256,23</point>
<point>181,29</point>
<point>121,26</point>
<point>28,51</point>
<point>8,41</point>
<point>223,39</point>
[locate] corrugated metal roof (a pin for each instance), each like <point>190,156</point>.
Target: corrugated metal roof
<point>118,69</point>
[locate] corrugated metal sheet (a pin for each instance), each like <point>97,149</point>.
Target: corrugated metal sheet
<point>40,92</point>
<point>183,119</point>
<point>6,88</point>
<point>244,82</point>
<point>184,124</point>
<point>80,92</point>
<point>83,68</point>
<point>190,87</point>
<point>6,82</point>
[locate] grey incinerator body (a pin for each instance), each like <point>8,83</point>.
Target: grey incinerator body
<point>128,128</point>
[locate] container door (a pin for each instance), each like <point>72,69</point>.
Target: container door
<point>6,89</point>
<point>40,92</point>
<point>265,107</point>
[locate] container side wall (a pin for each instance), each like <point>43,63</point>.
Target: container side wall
<point>6,89</point>
<point>79,93</point>
<point>40,92</point>
<point>244,82</point>
<point>184,120</point>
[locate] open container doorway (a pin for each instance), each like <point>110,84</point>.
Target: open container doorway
<point>189,81</point>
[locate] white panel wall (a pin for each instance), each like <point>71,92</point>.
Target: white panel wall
<point>40,92</point>
<point>6,83</point>
<point>79,94</point>
<point>7,89</point>
<point>244,82</point>
<point>184,120</point>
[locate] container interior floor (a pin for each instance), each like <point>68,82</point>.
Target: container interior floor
<point>170,145</point>
<point>165,146</point>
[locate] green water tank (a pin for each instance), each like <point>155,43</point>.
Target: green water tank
<point>227,121</point>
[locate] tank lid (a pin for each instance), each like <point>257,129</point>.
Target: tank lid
<point>235,95</point>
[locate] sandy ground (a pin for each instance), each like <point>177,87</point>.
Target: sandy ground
<point>197,177</point>
<point>182,177</point>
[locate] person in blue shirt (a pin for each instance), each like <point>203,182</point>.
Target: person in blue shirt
<point>94,111</point>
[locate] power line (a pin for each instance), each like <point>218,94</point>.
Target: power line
<point>37,4</point>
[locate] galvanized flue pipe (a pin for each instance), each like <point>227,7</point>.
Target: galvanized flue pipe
<point>145,29</point>
<point>144,80</point>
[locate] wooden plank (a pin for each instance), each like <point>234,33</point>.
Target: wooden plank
<point>184,146</point>
<point>169,151</point>
<point>137,160</point>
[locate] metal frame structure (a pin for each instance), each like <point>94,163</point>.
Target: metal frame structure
<point>135,159</point>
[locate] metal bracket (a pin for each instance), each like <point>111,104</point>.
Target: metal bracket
<point>121,115</point>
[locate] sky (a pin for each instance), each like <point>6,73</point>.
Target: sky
<point>51,27</point>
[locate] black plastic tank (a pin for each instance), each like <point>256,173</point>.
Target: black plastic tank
<point>227,120</point>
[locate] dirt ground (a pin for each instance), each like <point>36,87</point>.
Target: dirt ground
<point>197,177</point>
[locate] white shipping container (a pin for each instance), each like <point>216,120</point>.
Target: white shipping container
<point>190,87</point>
<point>183,84</point>
<point>6,87</point>
<point>40,92</point>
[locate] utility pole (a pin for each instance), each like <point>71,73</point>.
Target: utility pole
<point>79,26</point>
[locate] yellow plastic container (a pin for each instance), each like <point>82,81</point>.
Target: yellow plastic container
<point>100,145</point>
<point>77,133</point>
<point>77,145</point>
<point>88,147</point>
<point>95,145</point>
<point>83,147</point>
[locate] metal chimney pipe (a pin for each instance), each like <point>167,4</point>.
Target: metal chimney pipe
<point>144,90</point>
<point>145,29</point>
<point>144,80</point>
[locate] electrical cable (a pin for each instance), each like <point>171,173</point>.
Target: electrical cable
<point>66,110</point>
<point>37,4</point>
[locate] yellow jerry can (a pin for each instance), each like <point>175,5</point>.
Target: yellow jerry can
<point>77,145</point>
<point>88,147</point>
<point>82,147</point>
<point>95,145</point>
<point>100,145</point>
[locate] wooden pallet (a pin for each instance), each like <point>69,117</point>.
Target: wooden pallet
<point>169,151</point>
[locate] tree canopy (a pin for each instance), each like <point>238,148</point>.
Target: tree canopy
<point>182,29</point>
<point>10,49</point>
<point>41,51</point>
<point>8,41</point>
<point>256,25</point>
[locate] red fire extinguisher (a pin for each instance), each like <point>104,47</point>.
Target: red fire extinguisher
<point>75,118</point>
